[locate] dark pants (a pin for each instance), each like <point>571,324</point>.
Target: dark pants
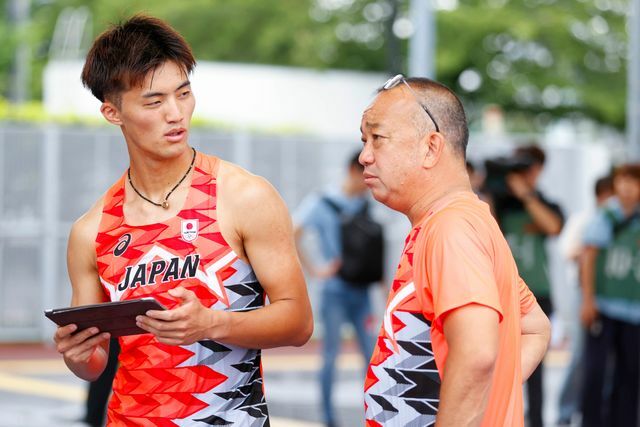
<point>100,389</point>
<point>534,383</point>
<point>612,363</point>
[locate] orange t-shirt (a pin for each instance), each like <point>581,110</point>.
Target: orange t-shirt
<point>457,256</point>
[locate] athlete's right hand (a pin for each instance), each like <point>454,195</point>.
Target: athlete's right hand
<point>79,347</point>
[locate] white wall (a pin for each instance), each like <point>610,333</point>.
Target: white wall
<point>328,103</point>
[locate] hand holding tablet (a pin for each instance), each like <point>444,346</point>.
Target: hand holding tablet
<point>117,318</point>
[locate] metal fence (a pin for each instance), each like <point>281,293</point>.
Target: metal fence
<point>51,175</point>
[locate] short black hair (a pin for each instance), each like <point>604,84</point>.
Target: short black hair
<point>631,170</point>
<point>603,185</point>
<point>123,55</point>
<point>532,152</point>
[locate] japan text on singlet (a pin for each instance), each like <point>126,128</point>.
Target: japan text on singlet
<point>205,383</point>
<point>402,387</point>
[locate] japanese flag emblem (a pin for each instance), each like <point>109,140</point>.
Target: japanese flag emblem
<point>189,230</point>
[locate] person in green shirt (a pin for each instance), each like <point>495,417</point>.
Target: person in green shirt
<point>527,219</point>
<point>610,313</point>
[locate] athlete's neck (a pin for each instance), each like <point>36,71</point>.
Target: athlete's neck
<point>155,176</point>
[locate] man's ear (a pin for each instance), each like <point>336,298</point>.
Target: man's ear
<point>434,146</point>
<point>111,113</point>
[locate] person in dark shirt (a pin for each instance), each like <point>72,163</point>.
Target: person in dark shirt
<point>527,218</point>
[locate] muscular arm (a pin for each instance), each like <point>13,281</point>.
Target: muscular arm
<point>85,352</point>
<point>267,237</point>
<point>259,228</point>
<point>536,332</point>
<point>471,332</point>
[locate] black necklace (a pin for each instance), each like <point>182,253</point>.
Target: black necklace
<point>165,203</point>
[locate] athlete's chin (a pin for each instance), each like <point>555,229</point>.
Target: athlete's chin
<point>173,149</point>
<point>177,144</point>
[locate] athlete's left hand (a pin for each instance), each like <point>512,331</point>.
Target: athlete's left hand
<point>186,324</point>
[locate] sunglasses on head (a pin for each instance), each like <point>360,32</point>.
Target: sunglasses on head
<point>398,79</point>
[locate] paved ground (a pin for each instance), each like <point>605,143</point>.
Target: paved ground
<point>37,390</point>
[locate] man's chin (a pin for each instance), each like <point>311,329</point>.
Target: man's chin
<point>380,196</point>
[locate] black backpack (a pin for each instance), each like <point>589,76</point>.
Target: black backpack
<point>362,246</point>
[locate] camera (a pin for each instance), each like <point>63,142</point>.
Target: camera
<point>497,170</point>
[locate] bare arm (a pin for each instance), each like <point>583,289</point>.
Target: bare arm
<point>264,228</point>
<point>85,352</point>
<point>589,311</point>
<point>471,332</point>
<point>269,246</point>
<point>547,220</point>
<point>536,332</point>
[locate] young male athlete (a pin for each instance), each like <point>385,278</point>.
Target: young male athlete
<point>461,330</point>
<point>205,238</point>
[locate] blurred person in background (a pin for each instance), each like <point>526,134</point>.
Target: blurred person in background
<point>341,298</point>
<point>208,240</point>
<point>571,247</point>
<point>610,278</point>
<point>461,330</point>
<point>527,219</point>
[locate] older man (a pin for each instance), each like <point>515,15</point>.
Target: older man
<point>461,330</point>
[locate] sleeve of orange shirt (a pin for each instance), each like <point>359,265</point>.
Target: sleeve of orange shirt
<point>527,299</point>
<point>459,266</point>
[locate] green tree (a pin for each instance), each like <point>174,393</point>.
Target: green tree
<point>529,56</point>
<point>7,47</point>
<point>539,55</point>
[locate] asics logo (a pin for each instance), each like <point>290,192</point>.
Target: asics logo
<point>123,244</point>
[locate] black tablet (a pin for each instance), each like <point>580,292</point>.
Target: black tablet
<point>118,318</point>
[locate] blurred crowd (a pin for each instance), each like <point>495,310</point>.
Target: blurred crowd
<point>600,247</point>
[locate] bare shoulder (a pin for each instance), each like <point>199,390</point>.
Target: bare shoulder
<point>85,229</point>
<point>81,257</point>
<point>250,210</point>
<point>242,190</point>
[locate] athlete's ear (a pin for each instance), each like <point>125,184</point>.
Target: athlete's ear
<point>111,112</point>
